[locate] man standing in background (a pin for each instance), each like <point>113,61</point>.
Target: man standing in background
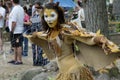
<point>2,18</point>
<point>16,20</point>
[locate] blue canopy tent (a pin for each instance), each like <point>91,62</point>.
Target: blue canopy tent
<point>66,3</point>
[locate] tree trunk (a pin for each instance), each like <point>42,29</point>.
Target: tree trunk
<point>96,15</point>
<point>116,9</point>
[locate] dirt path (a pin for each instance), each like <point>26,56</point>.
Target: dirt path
<point>10,71</point>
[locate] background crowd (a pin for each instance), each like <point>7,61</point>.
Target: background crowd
<point>18,20</point>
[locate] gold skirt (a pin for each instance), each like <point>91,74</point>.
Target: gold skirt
<point>76,73</point>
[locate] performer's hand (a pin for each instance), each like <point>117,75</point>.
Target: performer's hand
<point>34,34</point>
<point>100,39</point>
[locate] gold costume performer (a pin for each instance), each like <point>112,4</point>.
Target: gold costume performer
<point>71,46</point>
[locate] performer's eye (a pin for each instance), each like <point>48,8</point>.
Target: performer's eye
<point>52,15</point>
<point>46,16</point>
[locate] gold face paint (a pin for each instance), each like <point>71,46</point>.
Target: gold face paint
<point>51,17</point>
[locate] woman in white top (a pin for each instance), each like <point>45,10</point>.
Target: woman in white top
<point>81,14</point>
<point>80,20</point>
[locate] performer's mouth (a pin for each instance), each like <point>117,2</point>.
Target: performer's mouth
<point>50,23</point>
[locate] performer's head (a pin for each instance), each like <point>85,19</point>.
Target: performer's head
<point>53,16</point>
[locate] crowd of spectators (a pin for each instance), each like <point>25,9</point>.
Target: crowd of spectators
<point>17,19</point>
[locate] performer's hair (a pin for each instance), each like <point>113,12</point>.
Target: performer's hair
<point>59,10</point>
<point>16,1</point>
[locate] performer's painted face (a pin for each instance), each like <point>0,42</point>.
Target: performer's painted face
<point>51,17</point>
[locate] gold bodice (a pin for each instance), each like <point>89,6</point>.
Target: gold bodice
<point>65,57</point>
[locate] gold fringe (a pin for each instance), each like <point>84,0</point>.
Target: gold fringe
<point>81,73</point>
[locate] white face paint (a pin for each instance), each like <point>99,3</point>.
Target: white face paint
<point>50,17</point>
